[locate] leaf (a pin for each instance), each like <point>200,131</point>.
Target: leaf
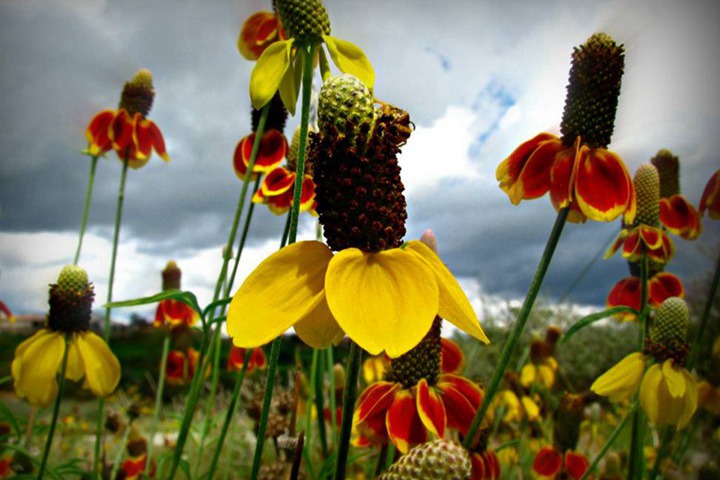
<point>186,297</point>
<point>217,303</point>
<point>592,318</point>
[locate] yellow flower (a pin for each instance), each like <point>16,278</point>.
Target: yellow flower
<point>517,409</point>
<point>621,381</point>
<point>38,360</point>
<point>542,373</point>
<point>668,394</point>
<point>384,300</point>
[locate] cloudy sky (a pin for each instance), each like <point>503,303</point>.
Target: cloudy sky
<point>477,77</point>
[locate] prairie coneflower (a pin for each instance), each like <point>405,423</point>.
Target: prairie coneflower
<point>627,292</point>
<point>127,130</point>
<point>170,312</point>
<point>38,359</point>
<point>181,365</point>
<point>279,67</point>
<point>542,366</point>
<point>577,169</point>
<point>677,215</point>
<point>383,293</point>
<point>236,359</point>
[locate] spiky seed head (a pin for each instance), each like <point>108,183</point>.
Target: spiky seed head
<point>440,459</point>
<point>668,166</point>
<point>171,276</point>
<point>592,92</point>
<point>72,279</point>
<point>70,301</point>
<point>345,103</point>
<point>671,321</point>
<point>647,189</point>
<point>303,19</point>
<point>138,94</point>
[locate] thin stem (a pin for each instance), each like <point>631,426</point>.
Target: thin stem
<point>692,358</point>
<point>512,341</point>
<point>56,410</point>
<point>349,395</point>
<point>667,435</point>
<point>159,397</point>
<point>106,325</point>
<point>262,426</point>
<point>86,209</point>
<point>229,415</point>
<point>318,393</point>
<point>382,459</point>
<point>309,405</point>
<point>308,60</point>
<point>609,443</point>
<point>121,452</point>
<point>243,237</point>
<point>332,387</point>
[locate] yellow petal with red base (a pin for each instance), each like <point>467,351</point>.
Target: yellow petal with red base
<point>680,217</point>
<point>710,199</point>
<point>283,289</point>
<point>403,423</point>
<point>102,368</point>
<point>547,462</point>
<point>622,380</point>
<point>525,173</point>
<point>603,188</point>
<point>268,72</point>
<point>349,58</point>
<point>576,464</point>
<point>454,304</point>
<point>35,366</point>
<point>430,407</point>
<point>273,147</point>
<point>383,301</point>
<point>278,181</point>
<point>452,358</point>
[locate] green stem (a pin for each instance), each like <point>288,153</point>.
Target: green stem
<point>5,379</point>
<point>332,387</point>
<point>609,443</point>
<point>667,435</point>
<point>56,410</point>
<point>308,60</point>
<point>692,358</point>
<point>158,398</point>
<point>349,395</point>
<point>86,209</point>
<point>309,406</point>
<point>210,403</point>
<point>318,396</point>
<point>108,310</point>
<point>243,237</point>
<point>262,426</point>
<point>229,415</point>
<point>121,452</point>
<point>512,341</point>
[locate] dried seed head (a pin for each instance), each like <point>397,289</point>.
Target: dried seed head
<point>303,19</point>
<point>138,94</point>
<point>592,92</point>
<point>441,459</point>
<point>668,166</point>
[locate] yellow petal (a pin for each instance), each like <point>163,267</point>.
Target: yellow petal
<point>690,401</point>
<point>531,408</point>
<point>622,380</point>
<point>281,291</point>
<point>268,72</point>
<point>383,301</point>
<point>22,348</point>
<point>290,84</point>
<point>547,375</point>
<point>673,379</point>
<point>527,375</point>
<point>102,368</point>
<point>75,367</point>
<point>349,58</point>
<point>38,368</point>
<point>454,304</point>
<point>319,328</point>
<point>651,399</point>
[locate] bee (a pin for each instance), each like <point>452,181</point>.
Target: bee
<point>399,119</point>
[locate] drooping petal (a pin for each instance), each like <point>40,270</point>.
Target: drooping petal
<point>622,380</point>
<point>603,187</point>
<point>461,398</point>
<point>452,358</point>
<point>690,402</point>
<point>268,72</point>
<point>562,174</point>
<point>318,328</point>
<point>576,464</point>
<point>626,293</point>
<point>283,289</point>
<point>528,374</point>
<point>258,31</point>
<point>102,368</point>
<point>651,398</point>
<point>651,236</point>
<point>430,408</point>
<point>525,173</point>
<point>619,241</point>
<point>36,370</point>
<point>98,132</point>
<point>158,142</point>
<point>532,410</point>
<point>383,301</point>
<point>75,369</point>
<point>375,399</point>
<point>673,378</point>
<point>710,199</point>
<point>278,181</point>
<point>143,142</point>
<point>548,462</point>
<point>454,304</point>
<point>403,423</point>
<point>349,58</point>
<point>662,286</point>
<point>680,217</point>
<point>290,84</point>
<point>273,147</point>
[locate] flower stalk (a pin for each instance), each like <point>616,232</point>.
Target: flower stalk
<point>56,411</point>
<point>86,208</point>
<point>159,397</point>
<point>349,396</point>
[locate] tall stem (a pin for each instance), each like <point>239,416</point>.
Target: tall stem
<point>159,397</point>
<point>512,341</point>
<point>86,208</point>
<point>262,426</point>
<point>56,410</point>
<point>349,396</point>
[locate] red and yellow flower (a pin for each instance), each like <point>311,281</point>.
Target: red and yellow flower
<point>627,292</point>
<point>181,365</point>
<point>278,188</point>
<point>127,130</point>
<point>550,462</point>
<point>485,465</point>
<point>680,217</point>
<point>236,359</point>
<point>259,31</point>
<point>710,199</point>
<point>273,148</point>
<point>174,313</point>
<point>643,239</point>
